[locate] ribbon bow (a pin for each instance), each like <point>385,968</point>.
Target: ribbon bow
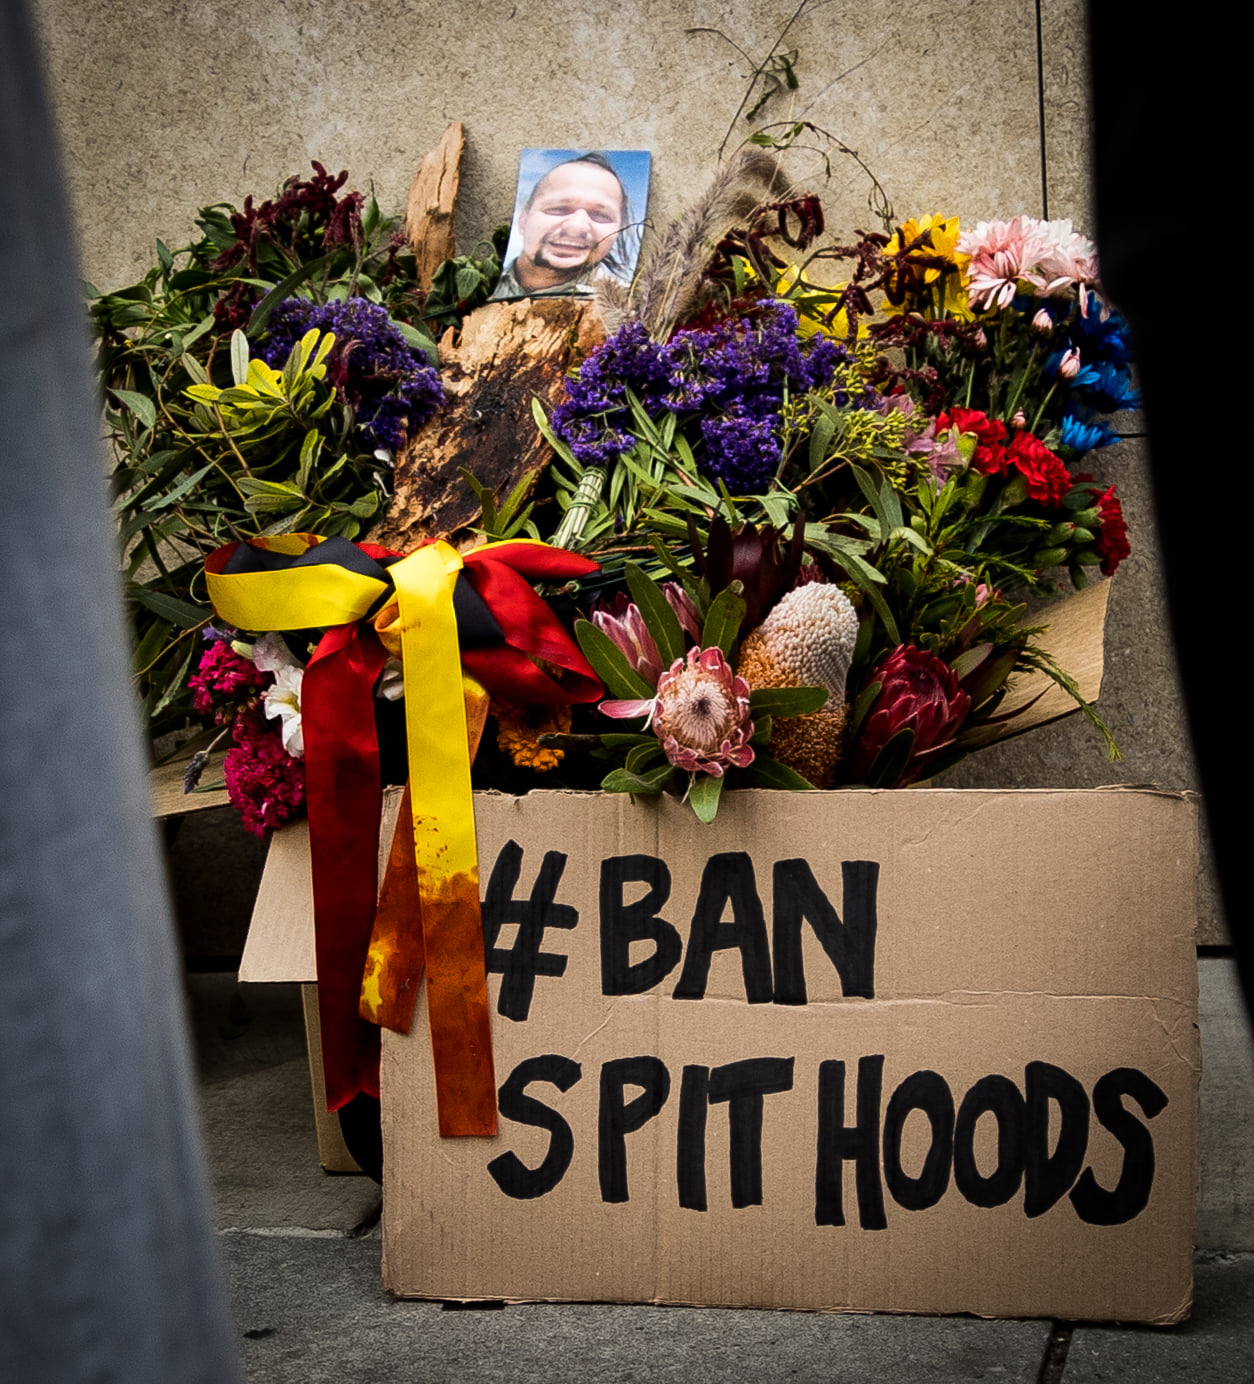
<point>458,621</point>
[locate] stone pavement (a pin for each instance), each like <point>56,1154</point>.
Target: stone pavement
<point>302,1249</point>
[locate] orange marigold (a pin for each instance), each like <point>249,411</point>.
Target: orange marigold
<point>518,730</point>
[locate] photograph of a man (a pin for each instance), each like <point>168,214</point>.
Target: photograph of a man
<point>577,218</point>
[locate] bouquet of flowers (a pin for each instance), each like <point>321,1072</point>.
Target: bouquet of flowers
<point>810,515</point>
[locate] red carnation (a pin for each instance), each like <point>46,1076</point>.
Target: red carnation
<point>1048,480</point>
<point>970,420</point>
<point>1112,544</point>
<point>265,784</point>
<point>222,673</point>
<point>990,435</point>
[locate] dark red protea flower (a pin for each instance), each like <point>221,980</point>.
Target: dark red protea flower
<point>920,694</point>
<point>758,558</point>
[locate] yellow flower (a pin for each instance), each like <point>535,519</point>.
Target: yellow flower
<point>926,270</point>
<point>802,294</point>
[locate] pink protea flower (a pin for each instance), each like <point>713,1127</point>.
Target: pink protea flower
<point>619,619</point>
<point>700,714</point>
<point>685,609</point>
<point>918,692</point>
<point>1002,253</point>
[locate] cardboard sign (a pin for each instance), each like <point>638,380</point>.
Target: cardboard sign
<point>916,1051</point>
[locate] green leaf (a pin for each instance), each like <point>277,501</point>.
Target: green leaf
<point>181,613</point>
<point>172,497</point>
<point>309,450</point>
<point>722,624</point>
<point>151,646</point>
<point>627,740</point>
<point>820,439</point>
<point>175,680</point>
<point>542,422</point>
<point>861,707</point>
<point>644,785</point>
<point>890,763</point>
<point>239,357</point>
<point>468,279</point>
<point>283,289</point>
<point>703,796</point>
<point>610,663</point>
<point>420,341</point>
<point>786,701</point>
<point>766,772</point>
<point>659,618</point>
<point>195,370</point>
<point>640,755</point>
<point>139,404</point>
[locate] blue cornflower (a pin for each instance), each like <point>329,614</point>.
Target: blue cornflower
<point>1107,387</point>
<point>1081,432</point>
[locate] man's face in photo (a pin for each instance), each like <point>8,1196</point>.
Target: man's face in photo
<point>575,216</point>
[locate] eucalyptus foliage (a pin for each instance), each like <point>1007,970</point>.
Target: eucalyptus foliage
<point>211,442</point>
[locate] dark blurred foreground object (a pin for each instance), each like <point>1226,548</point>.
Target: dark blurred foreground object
<point>1158,130</point>
<point>108,1259</point>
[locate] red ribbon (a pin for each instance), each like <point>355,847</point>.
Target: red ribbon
<point>344,795</point>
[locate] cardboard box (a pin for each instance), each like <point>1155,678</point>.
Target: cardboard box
<point>924,1051</point>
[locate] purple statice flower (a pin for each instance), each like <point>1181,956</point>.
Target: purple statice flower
<point>729,379</point>
<point>741,451</point>
<point>594,418</point>
<point>388,383</point>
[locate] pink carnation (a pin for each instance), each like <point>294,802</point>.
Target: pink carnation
<point>265,784</point>
<point>222,673</point>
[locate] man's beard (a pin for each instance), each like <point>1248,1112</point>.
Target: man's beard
<point>541,261</point>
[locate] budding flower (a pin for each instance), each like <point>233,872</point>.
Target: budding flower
<point>1019,421</point>
<point>1069,365</point>
<point>1042,323</point>
<point>980,340</point>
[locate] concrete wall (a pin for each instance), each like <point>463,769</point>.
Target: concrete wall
<point>972,110</point>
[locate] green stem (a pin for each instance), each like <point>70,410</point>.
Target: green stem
<point>581,505</point>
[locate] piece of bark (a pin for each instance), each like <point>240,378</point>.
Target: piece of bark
<point>432,205</point>
<point>508,354</point>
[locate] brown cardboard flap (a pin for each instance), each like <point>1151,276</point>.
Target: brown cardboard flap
<point>280,943</point>
<point>1076,627</point>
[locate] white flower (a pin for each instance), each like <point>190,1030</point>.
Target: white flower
<point>391,681</point>
<point>270,653</point>
<point>283,700</point>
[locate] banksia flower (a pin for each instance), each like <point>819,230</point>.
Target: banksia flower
<point>806,641</point>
